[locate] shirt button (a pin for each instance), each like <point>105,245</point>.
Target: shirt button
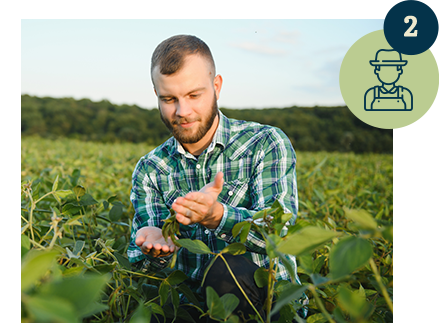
<point>230,193</point>
<point>206,231</point>
<point>198,166</point>
<point>223,235</point>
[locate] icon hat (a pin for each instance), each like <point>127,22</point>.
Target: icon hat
<point>388,57</point>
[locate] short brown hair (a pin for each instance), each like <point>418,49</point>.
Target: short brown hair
<point>169,55</point>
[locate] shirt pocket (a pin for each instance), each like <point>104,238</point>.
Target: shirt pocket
<point>235,193</point>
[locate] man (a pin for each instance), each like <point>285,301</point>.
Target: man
<point>388,97</point>
<point>214,173</point>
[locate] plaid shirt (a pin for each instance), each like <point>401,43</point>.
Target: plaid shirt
<point>258,163</point>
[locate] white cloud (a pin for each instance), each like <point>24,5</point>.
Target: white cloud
<point>259,48</point>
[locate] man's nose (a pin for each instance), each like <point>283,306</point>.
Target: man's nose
<point>183,108</point>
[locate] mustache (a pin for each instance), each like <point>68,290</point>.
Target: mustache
<point>180,121</point>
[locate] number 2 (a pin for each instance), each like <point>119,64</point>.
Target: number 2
<point>409,32</point>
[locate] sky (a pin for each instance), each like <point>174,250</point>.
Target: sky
<point>263,62</point>
<point>42,7</point>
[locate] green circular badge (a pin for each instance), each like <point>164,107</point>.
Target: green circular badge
<point>384,88</point>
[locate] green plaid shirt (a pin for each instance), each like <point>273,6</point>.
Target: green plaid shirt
<point>258,163</point>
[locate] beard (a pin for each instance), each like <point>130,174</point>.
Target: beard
<point>182,134</point>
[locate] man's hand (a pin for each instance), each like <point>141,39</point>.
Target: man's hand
<point>201,206</point>
<point>151,242</point>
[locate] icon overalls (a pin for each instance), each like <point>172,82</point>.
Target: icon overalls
<point>388,101</point>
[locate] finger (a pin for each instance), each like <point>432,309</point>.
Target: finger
<point>146,247</point>
<point>219,181</point>
<point>183,220</point>
<point>140,239</point>
<point>187,208</point>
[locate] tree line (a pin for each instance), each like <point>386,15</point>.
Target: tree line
<point>309,128</point>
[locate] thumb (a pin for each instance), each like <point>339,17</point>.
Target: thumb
<point>140,237</point>
<point>219,181</point>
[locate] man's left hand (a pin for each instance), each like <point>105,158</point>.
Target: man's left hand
<point>201,206</point>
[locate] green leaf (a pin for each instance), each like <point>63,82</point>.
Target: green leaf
<point>87,200</point>
<point>261,277</point>
<point>163,292</point>
<point>116,212</point>
<point>173,260</point>
<point>63,193</point>
<point>259,214</point>
<point>79,191</point>
<point>122,260</point>
<point>176,277</point>
<point>55,184</point>
<point>230,302</point>
<point>51,309</point>
<point>362,218</point>
<point>237,228</point>
<point>75,176</point>
<point>195,246</point>
<point>299,225</point>
<point>81,291</point>
<point>287,295</point>
<point>149,291</point>
<point>34,265</point>
<point>189,294</point>
<point>70,208</point>
<point>214,304</point>
<point>79,245</point>
<point>318,279</point>
<point>388,233</point>
<point>348,255</point>
<point>306,262</point>
<point>25,245</point>
<point>112,199</point>
<point>156,309</point>
<point>244,232</point>
<point>234,249</point>
<point>175,298</point>
<point>354,303</point>
<point>271,245</point>
<point>306,240</point>
<point>316,318</point>
<point>142,314</point>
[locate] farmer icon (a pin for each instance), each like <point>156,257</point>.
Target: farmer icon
<point>387,96</point>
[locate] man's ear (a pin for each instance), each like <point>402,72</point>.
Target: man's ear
<point>217,84</point>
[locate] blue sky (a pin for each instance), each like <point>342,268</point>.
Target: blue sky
<point>264,62</point>
<point>43,7</point>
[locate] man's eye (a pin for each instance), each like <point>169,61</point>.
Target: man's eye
<point>168,100</point>
<point>194,96</point>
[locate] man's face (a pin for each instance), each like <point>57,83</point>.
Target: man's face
<point>188,99</point>
<point>388,74</point>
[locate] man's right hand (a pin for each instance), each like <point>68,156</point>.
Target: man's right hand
<point>151,242</point>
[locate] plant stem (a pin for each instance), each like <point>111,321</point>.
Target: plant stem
<point>32,206</point>
<point>381,285</point>
<point>270,290</point>
<point>312,288</point>
<point>240,288</point>
<point>144,275</point>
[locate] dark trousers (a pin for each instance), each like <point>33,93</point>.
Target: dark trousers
<point>220,279</point>
<point>222,282</point>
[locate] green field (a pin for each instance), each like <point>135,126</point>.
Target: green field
<point>76,218</point>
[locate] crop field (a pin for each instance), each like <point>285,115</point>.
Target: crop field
<point>76,219</point>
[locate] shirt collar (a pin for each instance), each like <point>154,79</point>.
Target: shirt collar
<point>384,91</point>
<point>221,137</point>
